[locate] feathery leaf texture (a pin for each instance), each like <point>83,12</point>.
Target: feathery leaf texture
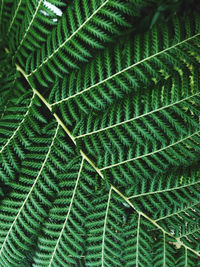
<point>16,131</point>
<point>99,135</point>
<point>85,22</point>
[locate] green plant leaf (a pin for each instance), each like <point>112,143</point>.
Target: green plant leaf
<point>99,133</point>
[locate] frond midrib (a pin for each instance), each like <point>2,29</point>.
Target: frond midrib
<point>163,191</point>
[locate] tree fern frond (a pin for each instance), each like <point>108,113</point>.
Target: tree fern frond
<point>62,240</point>
<point>104,224</point>
<point>186,258</point>
<point>137,68</point>
<point>155,161</point>
<point>16,8</point>
<point>34,29</point>
<point>162,131</point>
<point>170,209</point>
<point>8,78</point>
<point>12,16</point>
<point>163,252</point>
<point>25,209</point>
<point>185,178</point>
<point>99,133</point>
<point>93,23</point>
<point>130,110</point>
<point>16,131</point>
<point>138,242</point>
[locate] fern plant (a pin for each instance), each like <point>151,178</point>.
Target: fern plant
<point>100,135</point>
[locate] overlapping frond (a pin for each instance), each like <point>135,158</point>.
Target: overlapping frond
<point>7,81</point>
<point>143,61</point>
<point>62,241</point>
<point>169,201</point>
<point>85,25</point>
<point>104,242</point>
<point>135,139</point>
<point>146,245</point>
<point>105,171</point>
<point>16,131</point>
<point>37,24</point>
<point>24,210</point>
<point>138,241</point>
<point>11,15</point>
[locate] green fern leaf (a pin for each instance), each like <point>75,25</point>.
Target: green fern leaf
<point>91,24</point>
<point>26,207</point>
<point>99,134</point>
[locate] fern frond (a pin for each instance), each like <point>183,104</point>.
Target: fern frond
<point>104,224</point>
<point>158,160</point>
<point>99,134</point>
<point>85,23</point>
<point>12,15</point>
<point>185,178</point>
<point>26,207</point>
<point>138,241</point>
<point>62,239</point>
<point>16,131</point>
<point>172,208</point>
<point>17,9</point>
<point>187,258</point>
<point>163,251</point>
<point>143,61</point>
<point>8,78</point>
<point>132,138</point>
<point>34,29</point>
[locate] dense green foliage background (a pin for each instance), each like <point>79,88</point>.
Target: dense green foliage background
<point>99,133</point>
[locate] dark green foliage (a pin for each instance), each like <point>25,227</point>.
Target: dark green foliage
<point>99,133</point>
<point>17,130</point>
